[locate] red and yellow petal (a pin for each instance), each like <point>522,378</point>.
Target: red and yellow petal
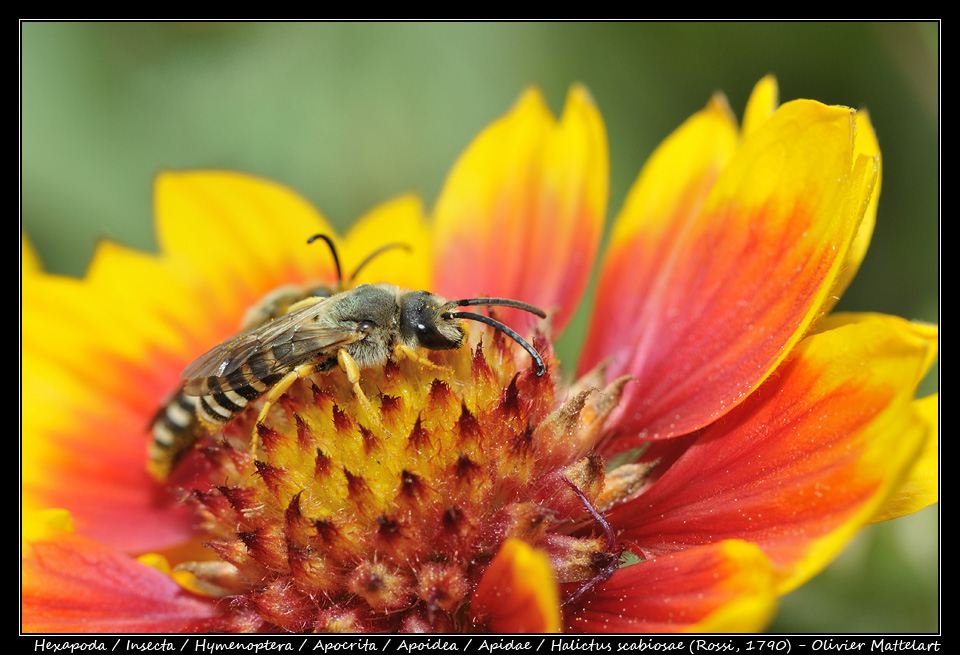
<point>659,211</point>
<point>522,211</point>
<point>92,375</point>
<point>761,105</point>
<point>517,593</point>
<point>74,584</point>
<point>724,587</point>
<point>807,460</point>
<point>741,278</point>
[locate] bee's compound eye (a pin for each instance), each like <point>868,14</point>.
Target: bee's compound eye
<point>431,337</point>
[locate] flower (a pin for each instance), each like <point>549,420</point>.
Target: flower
<point>724,432</point>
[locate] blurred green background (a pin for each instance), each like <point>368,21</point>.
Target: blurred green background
<point>352,114</point>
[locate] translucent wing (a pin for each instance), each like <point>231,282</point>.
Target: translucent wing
<point>269,349</point>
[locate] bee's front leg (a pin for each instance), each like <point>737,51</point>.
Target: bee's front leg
<point>403,350</point>
<point>350,367</point>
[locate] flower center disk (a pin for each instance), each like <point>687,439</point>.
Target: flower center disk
<point>353,520</point>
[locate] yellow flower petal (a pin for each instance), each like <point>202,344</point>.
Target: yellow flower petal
<point>867,147</point>
<point>921,486</point>
<point>29,261</point>
<point>762,103</point>
<point>727,586</point>
<point>659,211</point>
<point>398,221</point>
<point>244,236</point>
<point>46,523</point>
<point>156,561</point>
<point>671,188</point>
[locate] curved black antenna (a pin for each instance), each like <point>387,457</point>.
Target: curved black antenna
<point>370,257</point>
<point>379,251</point>
<point>541,367</point>
<point>498,302</point>
<point>333,251</point>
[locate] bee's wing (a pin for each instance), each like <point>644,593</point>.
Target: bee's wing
<point>271,348</point>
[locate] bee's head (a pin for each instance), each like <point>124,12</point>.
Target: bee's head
<point>429,321</point>
<point>422,322</point>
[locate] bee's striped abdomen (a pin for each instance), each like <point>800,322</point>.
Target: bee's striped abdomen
<point>176,426</point>
<point>174,431</point>
<point>221,399</point>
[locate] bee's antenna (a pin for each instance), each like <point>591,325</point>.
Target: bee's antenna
<point>336,259</point>
<point>498,302</point>
<point>379,251</point>
<point>541,367</point>
<point>333,251</point>
<point>497,325</point>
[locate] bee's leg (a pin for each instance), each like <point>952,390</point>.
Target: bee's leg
<point>350,367</point>
<point>276,392</point>
<point>406,351</point>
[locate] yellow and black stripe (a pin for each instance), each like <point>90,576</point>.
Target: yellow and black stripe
<point>216,401</point>
<point>220,399</point>
<point>174,431</point>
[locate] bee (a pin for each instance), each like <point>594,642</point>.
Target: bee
<point>355,328</point>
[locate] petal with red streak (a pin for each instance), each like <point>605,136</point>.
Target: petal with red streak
<point>72,584</point>
<point>100,354</point>
<point>724,587</point>
<point>90,384</point>
<point>517,593</point>
<point>805,461</point>
<point>738,280</point>
<point>660,209</point>
<point>522,211</point>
